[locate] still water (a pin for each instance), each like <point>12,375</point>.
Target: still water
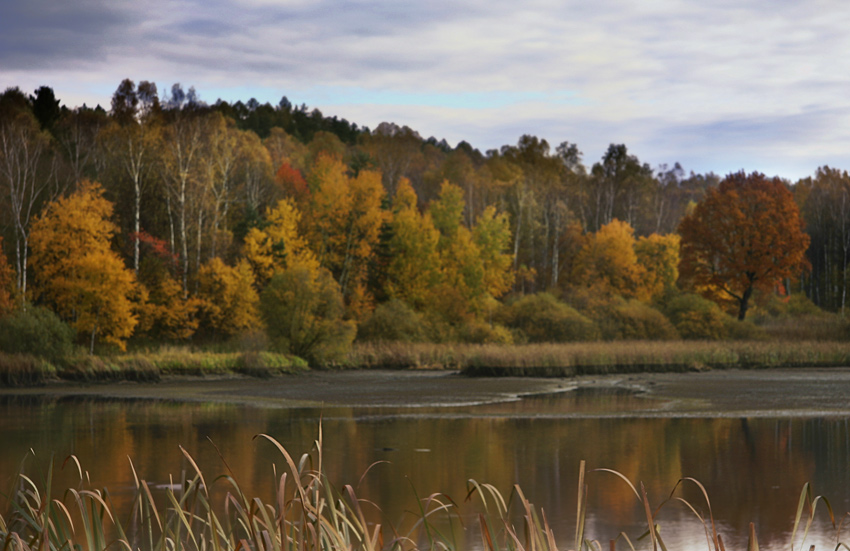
<point>753,469</point>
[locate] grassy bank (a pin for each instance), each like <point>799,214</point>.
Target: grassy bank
<point>477,360</point>
<point>26,370</point>
<point>307,513</point>
<point>570,359</point>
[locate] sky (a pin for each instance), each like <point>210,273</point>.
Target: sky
<point>719,86</point>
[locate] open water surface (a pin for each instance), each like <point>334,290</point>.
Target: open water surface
<point>753,468</point>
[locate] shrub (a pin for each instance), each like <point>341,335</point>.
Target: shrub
<point>744,330</point>
<point>543,318</point>
<point>800,305</point>
<point>392,321</point>
<point>635,320</point>
<point>695,317</point>
<point>302,309</point>
<point>479,332</point>
<point>36,331</point>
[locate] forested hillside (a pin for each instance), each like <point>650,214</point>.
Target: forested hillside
<point>166,219</point>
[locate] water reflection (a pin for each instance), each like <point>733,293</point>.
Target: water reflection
<point>753,469</point>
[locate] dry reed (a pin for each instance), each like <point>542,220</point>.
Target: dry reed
<point>569,359</point>
<point>308,514</point>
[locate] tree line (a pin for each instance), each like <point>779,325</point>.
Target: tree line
<point>206,207</point>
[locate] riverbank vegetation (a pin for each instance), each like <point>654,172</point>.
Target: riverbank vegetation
<point>307,512</point>
<point>28,370</point>
<point>571,359</point>
<point>253,234</point>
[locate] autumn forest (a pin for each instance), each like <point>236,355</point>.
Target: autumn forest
<point>164,219</point>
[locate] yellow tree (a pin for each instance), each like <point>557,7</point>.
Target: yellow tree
<point>608,261</point>
<point>278,245</point>
<point>345,219</point>
<point>77,272</point>
<point>462,280</point>
<point>492,234</point>
<point>659,257</point>
<point>229,302</point>
<point>413,269</point>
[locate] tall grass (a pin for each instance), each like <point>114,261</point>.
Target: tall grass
<point>570,359</point>
<point>307,513</point>
<point>23,370</point>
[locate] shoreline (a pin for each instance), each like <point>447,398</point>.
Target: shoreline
<point>792,392</point>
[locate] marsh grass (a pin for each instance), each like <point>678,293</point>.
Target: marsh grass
<point>570,359</point>
<point>24,370</point>
<point>307,513</point>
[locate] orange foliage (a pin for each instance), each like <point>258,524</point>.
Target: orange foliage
<point>746,234</point>
<point>7,284</point>
<point>292,182</point>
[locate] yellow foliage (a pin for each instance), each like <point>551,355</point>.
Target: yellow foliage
<point>76,271</point>
<point>413,270</point>
<point>229,302</point>
<point>164,312</point>
<point>659,257</point>
<point>279,245</point>
<point>493,237</point>
<point>345,219</point>
<point>608,260</point>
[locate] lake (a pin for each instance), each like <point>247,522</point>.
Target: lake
<point>753,467</point>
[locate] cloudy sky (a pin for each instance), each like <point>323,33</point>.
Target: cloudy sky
<point>717,86</point>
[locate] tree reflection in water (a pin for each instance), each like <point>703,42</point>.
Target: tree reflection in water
<point>752,468</point>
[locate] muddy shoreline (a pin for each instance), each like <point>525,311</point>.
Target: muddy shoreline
<point>775,392</point>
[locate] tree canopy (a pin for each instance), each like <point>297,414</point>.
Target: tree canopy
<point>744,235</point>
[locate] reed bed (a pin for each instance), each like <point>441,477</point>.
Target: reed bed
<point>307,513</point>
<point>570,359</point>
<point>24,370</point>
<point>18,370</point>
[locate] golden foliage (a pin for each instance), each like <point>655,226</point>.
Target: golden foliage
<point>164,312</point>
<point>77,272</point>
<point>413,270</point>
<point>278,245</point>
<point>608,261</point>
<point>658,255</point>
<point>344,219</point>
<point>229,302</point>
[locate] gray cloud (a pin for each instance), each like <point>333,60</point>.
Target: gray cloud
<point>42,34</point>
<point>675,80</point>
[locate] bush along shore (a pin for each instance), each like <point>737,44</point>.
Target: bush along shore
<point>307,513</point>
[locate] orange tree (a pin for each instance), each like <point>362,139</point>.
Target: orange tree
<point>7,284</point>
<point>745,234</point>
